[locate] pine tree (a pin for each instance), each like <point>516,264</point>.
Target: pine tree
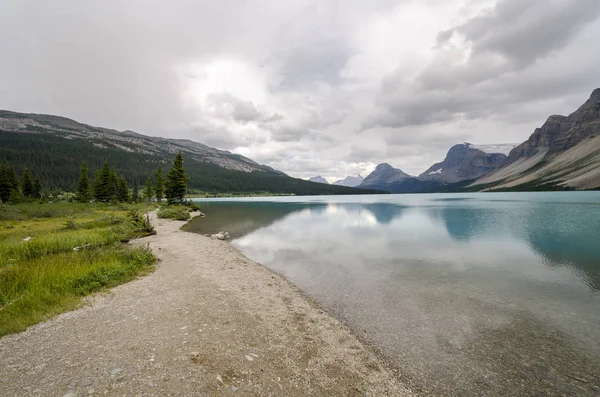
<point>177,180</point>
<point>12,177</point>
<point>27,183</point>
<point>9,184</point>
<point>113,186</point>
<point>83,187</point>
<point>159,187</point>
<point>148,190</point>
<point>135,194</point>
<point>102,182</point>
<point>37,187</point>
<point>122,190</point>
<point>6,185</point>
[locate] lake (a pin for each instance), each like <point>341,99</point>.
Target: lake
<point>466,294</point>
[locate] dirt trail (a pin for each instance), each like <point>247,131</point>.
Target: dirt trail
<point>208,321</point>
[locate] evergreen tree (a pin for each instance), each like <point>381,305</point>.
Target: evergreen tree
<point>6,184</point>
<point>12,177</point>
<point>177,180</point>
<point>102,182</point>
<point>113,186</point>
<point>27,183</point>
<point>148,190</point>
<point>135,194</point>
<point>9,184</point>
<point>37,187</point>
<point>15,196</point>
<point>159,187</point>
<point>83,186</point>
<point>122,190</point>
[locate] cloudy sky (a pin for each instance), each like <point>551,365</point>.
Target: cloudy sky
<point>306,86</point>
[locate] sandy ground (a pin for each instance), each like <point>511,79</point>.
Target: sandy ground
<point>207,322</point>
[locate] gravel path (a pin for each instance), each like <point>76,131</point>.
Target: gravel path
<point>208,321</point>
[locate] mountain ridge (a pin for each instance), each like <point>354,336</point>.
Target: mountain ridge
<point>55,146</point>
<point>350,180</point>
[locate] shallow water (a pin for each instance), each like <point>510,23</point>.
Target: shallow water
<point>467,294</point>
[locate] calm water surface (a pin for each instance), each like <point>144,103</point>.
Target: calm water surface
<point>467,294</point>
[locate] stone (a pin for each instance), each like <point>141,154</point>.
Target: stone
<point>249,357</point>
<point>234,389</point>
<point>115,371</point>
<point>218,236</point>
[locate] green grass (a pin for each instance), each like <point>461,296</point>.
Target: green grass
<point>177,212</point>
<point>74,250</point>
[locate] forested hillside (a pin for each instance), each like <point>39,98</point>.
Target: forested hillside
<point>55,152</point>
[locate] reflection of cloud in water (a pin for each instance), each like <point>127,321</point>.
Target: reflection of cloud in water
<point>427,279</point>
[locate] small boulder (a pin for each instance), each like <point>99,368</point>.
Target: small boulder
<point>218,236</point>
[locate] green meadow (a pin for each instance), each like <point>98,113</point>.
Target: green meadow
<point>52,255</point>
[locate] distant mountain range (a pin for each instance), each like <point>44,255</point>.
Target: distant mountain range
<point>54,147</point>
<point>563,154</point>
<point>350,180</point>
<point>319,179</point>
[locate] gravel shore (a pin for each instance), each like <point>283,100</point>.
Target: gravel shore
<point>208,321</point>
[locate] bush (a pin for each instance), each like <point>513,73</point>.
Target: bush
<point>176,212</point>
<point>192,206</point>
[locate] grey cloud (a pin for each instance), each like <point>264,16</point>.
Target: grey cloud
<point>119,65</point>
<point>523,31</point>
<point>483,85</point>
<point>313,48</point>
<point>245,111</point>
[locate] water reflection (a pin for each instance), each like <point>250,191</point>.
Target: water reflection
<point>447,287</point>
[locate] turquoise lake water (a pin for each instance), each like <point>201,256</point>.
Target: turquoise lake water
<point>467,294</point>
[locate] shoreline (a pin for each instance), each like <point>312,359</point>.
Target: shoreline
<point>208,321</point>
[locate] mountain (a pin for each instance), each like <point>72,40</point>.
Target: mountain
<point>463,162</point>
<point>319,179</point>
<point>564,153</point>
<point>350,181</point>
<point>382,176</point>
<point>54,147</point>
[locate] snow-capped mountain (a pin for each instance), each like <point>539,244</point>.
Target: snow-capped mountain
<point>350,180</point>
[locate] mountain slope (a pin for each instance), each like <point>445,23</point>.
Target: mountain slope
<point>54,148</point>
<point>563,153</point>
<point>463,162</point>
<point>319,179</point>
<point>350,180</point>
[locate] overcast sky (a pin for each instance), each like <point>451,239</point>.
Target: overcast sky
<point>307,87</point>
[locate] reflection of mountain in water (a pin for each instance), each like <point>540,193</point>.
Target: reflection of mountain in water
<point>242,218</point>
<point>545,229</point>
<point>463,223</point>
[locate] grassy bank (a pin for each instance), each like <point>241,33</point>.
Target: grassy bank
<point>51,255</point>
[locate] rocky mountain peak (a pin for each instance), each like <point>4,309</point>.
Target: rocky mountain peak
<point>560,133</point>
<point>350,181</point>
<point>463,162</point>
<point>384,174</point>
<point>319,179</point>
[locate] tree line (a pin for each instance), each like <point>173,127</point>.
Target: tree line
<point>106,186</point>
<point>14,190</point>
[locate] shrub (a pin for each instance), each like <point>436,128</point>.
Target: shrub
<point>177,212</point>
